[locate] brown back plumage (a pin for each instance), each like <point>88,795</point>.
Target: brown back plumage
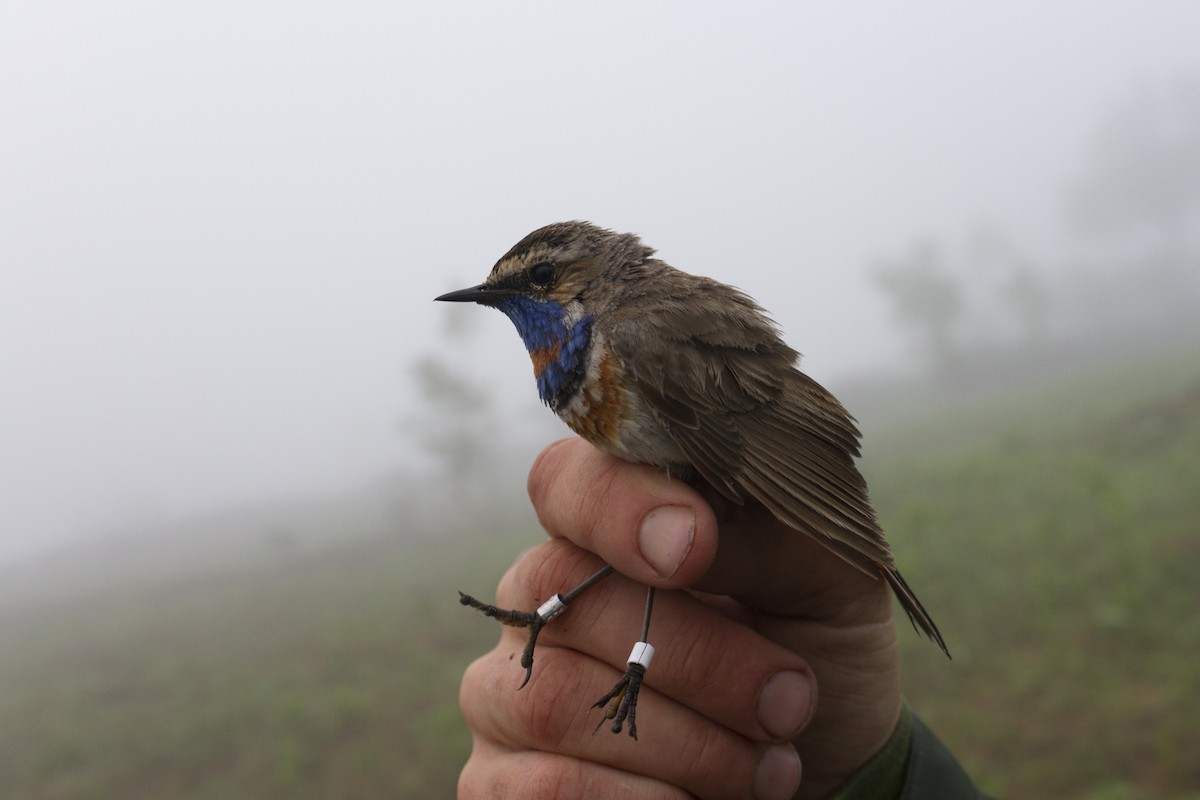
<point>719,379</point>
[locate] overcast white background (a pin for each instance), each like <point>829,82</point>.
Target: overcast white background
<point>222,223</point>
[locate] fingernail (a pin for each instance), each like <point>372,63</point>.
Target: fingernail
<point>778,775</point>
<point>785,704</point>
<point>665,537</point>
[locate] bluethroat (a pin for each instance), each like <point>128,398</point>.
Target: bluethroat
<point>660,367</point>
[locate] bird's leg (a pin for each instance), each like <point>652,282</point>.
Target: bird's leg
<point>534,620</point>
<point>622,700</point>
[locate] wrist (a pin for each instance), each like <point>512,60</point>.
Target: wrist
<point>882,777</point>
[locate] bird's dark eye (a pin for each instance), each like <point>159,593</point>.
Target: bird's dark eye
<point>541,274</point>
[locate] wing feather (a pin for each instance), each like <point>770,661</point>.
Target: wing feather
<point>716,376</point>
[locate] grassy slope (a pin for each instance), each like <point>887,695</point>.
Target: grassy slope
<point>1057,536</point>
<point>296,671</point>
<point>1054,533</point>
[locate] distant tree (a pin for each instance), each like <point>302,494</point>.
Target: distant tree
<point>1144,166</point>
<point>925,298</point>
<point>1029,299</point>
<point>455,422</point>
<point>1015,276</point>
<point>1139,194</point>
<point>989,248</point>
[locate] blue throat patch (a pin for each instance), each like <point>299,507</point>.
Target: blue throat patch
<point>542,325</point>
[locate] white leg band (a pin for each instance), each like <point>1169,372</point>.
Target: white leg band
<point>551,608</point>
<point>642,653</point>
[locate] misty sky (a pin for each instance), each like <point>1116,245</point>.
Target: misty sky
<point>223,223</point>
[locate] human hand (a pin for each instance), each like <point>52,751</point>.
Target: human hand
<point>731,698</point>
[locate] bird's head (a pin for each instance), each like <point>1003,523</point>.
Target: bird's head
<point>558,263</point>
<point>555,277</point>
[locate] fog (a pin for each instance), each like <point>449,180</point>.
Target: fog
<point>222,224</point>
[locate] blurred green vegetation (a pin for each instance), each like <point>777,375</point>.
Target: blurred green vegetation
<point>1053,530</point>
<point>1057,533</point>
<point>286,665</point>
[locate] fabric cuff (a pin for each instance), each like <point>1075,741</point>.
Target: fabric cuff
<point>882,778</point>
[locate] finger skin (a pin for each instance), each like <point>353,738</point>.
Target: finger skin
<point>704,659</point>
<point>605,517</point>
<point>799,608</point>
<point>497,773</point>
<point>598,502</point>
<point>679,747</point>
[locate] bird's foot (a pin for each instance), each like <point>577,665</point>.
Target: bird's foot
<point>533,620</point>
<point>622,700</point>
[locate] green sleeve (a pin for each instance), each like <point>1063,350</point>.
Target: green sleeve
<point>913,765</point>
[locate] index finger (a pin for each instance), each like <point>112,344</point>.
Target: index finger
<point>654,529</point>
<point>662,532</point>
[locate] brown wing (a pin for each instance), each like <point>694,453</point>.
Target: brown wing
<point>715,372</point>
<point>713,369</point>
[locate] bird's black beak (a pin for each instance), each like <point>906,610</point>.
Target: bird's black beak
<point>475,294</point>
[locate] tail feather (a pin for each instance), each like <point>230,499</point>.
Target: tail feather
<point>917,614</point>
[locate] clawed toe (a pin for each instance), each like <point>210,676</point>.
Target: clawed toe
<point>533,620</point>
<point>621,701</point>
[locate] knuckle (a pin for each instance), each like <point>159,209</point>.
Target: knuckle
<point>487,695</point>
<point>553,709</point>
<point>544,571</point>
<point>574,490</point>
<point>478,781</point>
<point>540,572</point>
<point>511,591</point>
<point>475,690</point>
<point>558,778</point>
<point>706,747</point>
<point>542,714</point>
<point>595,505</point>
<point>699,658</point>
<point>542,777</point>
<point>546,468</point>
<point>522,776</point>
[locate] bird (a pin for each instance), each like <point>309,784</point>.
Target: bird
<point>658,366</point>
